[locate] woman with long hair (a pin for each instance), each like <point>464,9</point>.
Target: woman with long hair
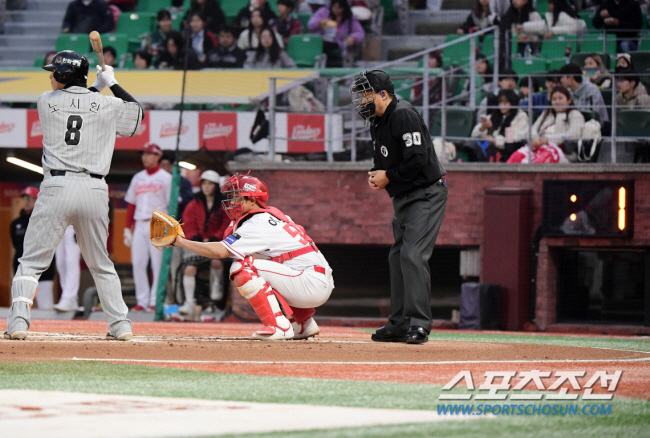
<point>480,18</point>
<point>249,39</point>
<point>269,54</point>
<point>556,124</point>
<point>596,71</point>
<point>173,56</point>
<point>341,30</point>
<point>520,13</point>
<point>561,19</point>
<point>211,12</point>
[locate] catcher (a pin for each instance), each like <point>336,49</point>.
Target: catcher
<point>278,268</point>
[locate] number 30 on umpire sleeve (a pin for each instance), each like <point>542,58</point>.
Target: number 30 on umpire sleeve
<point>412,139</point>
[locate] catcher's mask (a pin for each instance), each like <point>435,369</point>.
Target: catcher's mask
<point>363,92</point>
<point>237,188</point>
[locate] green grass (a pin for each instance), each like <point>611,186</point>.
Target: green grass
<point>629,417</point>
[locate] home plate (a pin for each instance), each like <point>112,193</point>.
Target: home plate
<point>64,414</point>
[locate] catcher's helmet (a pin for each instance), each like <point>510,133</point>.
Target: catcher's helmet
<point>239,187</point>
<point>69,67</point>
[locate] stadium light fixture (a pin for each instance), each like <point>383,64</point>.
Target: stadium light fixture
<point>25,164</point>
<point>186,165</point>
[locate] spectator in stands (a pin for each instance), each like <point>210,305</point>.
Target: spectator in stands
<point>624,60</point>
<point>227,55</point>
<point>341,31</point>
<point>204,220</point>
<point>186,193</point>
<point>158,37</point>
<point>202,41</point>
<point>521,12</point>
<point>525,89</point>
<point>173,57</point>
<point>632,94</point>
<point>596,71</point>
<point>480,18</point>
<point>110,56</point>
<point>585,95</point>
<point>624,18</point>
<point>142,60</point>
<point>249,39</point>
<point>49,56</point>
<point>287,23</point>
<point>560,19</point>
<point>315,5</point>
<point>244,16</point>
<point>541,100</point>
<point>550,130</point>
<point>508,125</point>
<point>507,81</point>
<point>210,10</point>
<point>435,83</point>
<point>269,54</point>
<point>485,71</point>
<point>84,16</point>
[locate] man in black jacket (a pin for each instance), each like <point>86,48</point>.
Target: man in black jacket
<point>406,165</point>
<point>84,16</point>
<point>625,18</point>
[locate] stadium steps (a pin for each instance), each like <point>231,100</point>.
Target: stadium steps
<point>408,43</point>
<point>33,28</point>
<point>447,18</point>
<point>53,6</point>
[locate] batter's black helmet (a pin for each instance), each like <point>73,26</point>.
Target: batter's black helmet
<point>69,67</point>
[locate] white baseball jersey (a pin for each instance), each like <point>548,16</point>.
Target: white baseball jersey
<point>79,128</point>
<point>149,192</point>
<point>265,235</point>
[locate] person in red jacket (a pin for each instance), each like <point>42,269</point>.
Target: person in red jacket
<point>204,220</point>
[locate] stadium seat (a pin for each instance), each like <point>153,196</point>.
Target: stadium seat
<point>645,43</point>
<point>641,61</point>
<point>77,42</point>
<point>487,46</point>
<point>579,58</point>
<point>593,42</point>
<point>177,21</point>
<point>590,115</point>
<point>305,49</point>
<point>232,7</point>
<point>524,66</point>
<point>460,123</point>
<point>136,24</point>
<point>635,123</point>
<point>153,5</point>
<point>556,63</point>
<point>557,45</point>
<point>587,16</point>
<point>38,62</point>
<point>119,41</point>
<point>304,19</point>
<point>403,87</point>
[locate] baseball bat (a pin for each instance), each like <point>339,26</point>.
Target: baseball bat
<point>96,41</point>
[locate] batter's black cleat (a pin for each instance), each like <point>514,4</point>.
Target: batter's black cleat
<point>417,335</point>
<point>387,335</point>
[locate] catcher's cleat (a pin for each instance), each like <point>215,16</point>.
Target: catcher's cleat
<point>126,336</point>
<point>274,334</point>
<point>18,335</point>
<point>306,329</point>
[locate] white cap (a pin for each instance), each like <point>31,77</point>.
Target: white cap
<point>212,176</point>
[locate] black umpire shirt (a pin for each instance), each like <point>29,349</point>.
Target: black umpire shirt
<point>403,148</point>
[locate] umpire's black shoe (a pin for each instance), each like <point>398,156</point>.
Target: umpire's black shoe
<point>417,335</point>
<point>387,335</point>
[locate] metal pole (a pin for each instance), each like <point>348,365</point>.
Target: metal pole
<point>272,119</point>
<point>443,119</point>
<point>425,89</point>
<point>472,74</point>
<point>328,120</point>
<point>353,140</point>
<point>530,117</point>
<point>495,63</point>
<point>613,121</point>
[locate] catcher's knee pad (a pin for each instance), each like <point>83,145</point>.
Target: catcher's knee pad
<point>245,276</point>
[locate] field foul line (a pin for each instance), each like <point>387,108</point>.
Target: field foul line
<point>273,362</point>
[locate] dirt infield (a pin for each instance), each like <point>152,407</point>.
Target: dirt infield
<point>339,353</point>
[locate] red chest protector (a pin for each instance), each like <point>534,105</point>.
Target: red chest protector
<point>299,229</point>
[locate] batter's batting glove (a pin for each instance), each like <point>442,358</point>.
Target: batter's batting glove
<point>105,78</point>
<point>163,229</point>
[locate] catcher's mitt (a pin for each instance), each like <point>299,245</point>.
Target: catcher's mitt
<point>163,229</point>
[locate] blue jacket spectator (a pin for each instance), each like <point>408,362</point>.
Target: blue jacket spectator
<point>84,17</point>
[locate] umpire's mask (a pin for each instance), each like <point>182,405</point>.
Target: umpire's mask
<point>363,91</point>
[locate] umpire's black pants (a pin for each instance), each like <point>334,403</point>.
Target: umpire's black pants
<point>418,215</point>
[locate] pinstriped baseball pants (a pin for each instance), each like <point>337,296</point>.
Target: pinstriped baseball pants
<point>81,201</point>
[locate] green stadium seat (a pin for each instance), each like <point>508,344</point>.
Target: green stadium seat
<point>177,21</point>
<point>525,66</point>
<point>38,62</point>
<point>128,62</point>
<point>587,16</point>
<point>153,5</point>
<point>579,58</point>
<point>305,49</point>
<point>557,45</point>
<point>487,46</point>
<point>119,41</point>
<point>232,7</point>
<point>136,24</point>
<point>460,123</point>
<point>641,61</point>
<point>403,87</point>
<point>645,43</point>
<point>633,123</point>
<point>304,19</point>
<point>457,53</point>
<point>556,63</point>
<point>593,43</point>
<point>77,42</point>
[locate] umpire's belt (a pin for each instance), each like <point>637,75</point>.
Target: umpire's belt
<point>63,172</point>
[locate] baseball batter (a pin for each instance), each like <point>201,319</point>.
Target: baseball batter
<point>278,268</point>
<point>79,128</point>
<point>149,189</point>
<point>67,266</point>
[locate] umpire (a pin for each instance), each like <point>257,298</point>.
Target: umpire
<point>406,165</point>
